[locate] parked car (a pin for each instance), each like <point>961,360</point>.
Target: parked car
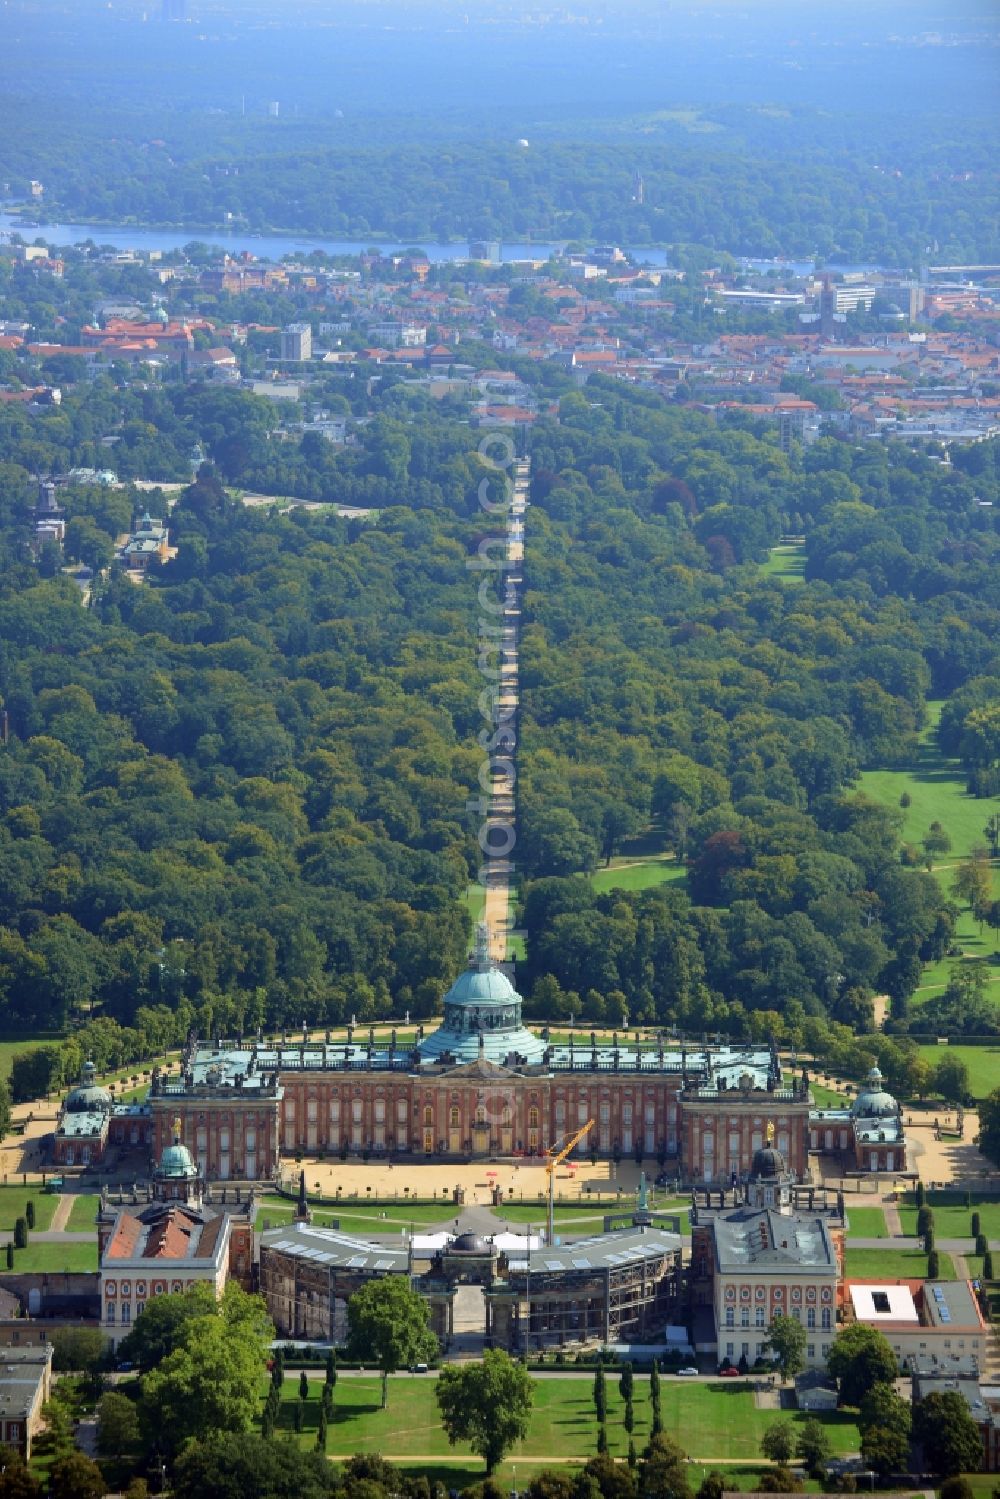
<point>730,1373</point>
<point>688,1369</point>
<point>418,1368</point>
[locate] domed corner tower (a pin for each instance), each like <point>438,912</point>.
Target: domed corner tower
<point>88,1097</point>
<point>482,1016</point>
<point>177,1177</point>
<point>873,1102</point>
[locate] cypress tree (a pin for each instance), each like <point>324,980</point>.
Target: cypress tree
<point>919,1198</point>
<point>321,1431</point>
<point>600,1395</point>
<point>626,1382</point>
<point>654,1386</point>
<point>631,1455</point>
<point>29,1213</point>
<point>299,1415</point>
<point>10,1256</point>
<point>975,1225</point>
<point>331,1367</point>
<point>602,1438</point>
<point>303,1386</point>
<point>982,1245</point>
<point>933,1267</point>
<point>629,1421</point>
<point>20,1234</point>
<point>988,1265</point>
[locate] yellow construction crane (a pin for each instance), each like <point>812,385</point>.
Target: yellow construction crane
<point>550,1167</point>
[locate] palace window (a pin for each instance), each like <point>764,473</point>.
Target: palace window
<point>533,1118</point>
<point>480,1116</point>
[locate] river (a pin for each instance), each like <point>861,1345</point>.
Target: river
<point>264,246</point>
<point>276,246</point>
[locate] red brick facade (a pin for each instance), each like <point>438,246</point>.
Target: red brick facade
<point>479,1110</point>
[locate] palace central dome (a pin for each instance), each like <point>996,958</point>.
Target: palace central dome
<point>482,1016</point>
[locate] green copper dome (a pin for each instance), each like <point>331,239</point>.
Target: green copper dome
<point>873,1102</point>
<point>482,1016</point>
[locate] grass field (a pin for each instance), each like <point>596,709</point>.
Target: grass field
<point>952,1217</point>
<point>587,1215</point>
<point>20,1043</point>
<point>710,1421</point>
<point>983,1063</point>
<point>866,1223</point>
<point>13,1201</point>
<point>360,1217</point>
<point>787,561</point>
<point>55,1258</point>
<point>82,1214</point>
<point>639,874</point>
<point>828,1098</point>
<point>894,1264</point>
<point>936,787</point>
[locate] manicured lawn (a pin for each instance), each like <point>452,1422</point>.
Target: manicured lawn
<point>787,561</point>
<point>866,1223</point>
<point>589,1214</point>
<point>973,943</point>
<point>13,1201</point>
<point>360,1217</point>
<point>55,1258</point>
<point>894,1264</point>
<point>19,1043</point>
<point>475,897</point>
<point>936,788</point>
<point>639,874</point>
<point>828,1098</point>
<point>710,1421</point>
<point>983,1063</point>
<point>951,1216</point>
<point>82,1214</point>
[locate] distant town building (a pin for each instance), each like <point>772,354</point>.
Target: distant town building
<point>488,250</point>
<point>296,343</point>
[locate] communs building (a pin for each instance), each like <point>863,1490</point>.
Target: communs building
<point>619,1287</point>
